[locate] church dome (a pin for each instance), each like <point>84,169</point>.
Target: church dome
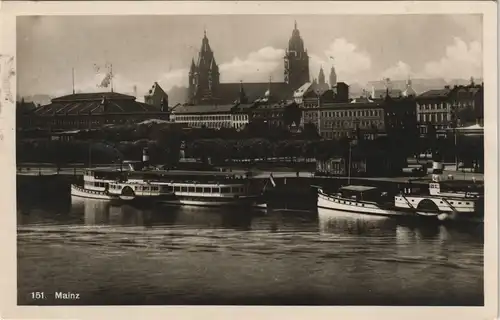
<point>409,92</point>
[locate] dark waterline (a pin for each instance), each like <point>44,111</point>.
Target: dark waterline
<point>165,256</point>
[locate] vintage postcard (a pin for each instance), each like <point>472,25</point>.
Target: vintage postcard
<point>250,159</point>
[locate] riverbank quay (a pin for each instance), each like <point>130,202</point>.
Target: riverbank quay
<point>298,186</point>
<point>46,169</point>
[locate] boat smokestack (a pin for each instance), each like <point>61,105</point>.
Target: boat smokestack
<point>437,167</point>
<point>145,156</point>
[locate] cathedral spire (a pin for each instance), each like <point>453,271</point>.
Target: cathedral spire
<point>321,76</point>
<point>296,61</point>
<point>205,45</point>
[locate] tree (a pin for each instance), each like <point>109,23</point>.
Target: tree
<point>310,131</point>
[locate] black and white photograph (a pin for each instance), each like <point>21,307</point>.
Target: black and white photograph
<point>248,159</point>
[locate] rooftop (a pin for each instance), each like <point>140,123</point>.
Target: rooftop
<point>91,103</point>
<point>229,92</point>
<point>184,109</point>
<point>97,96</point>
<point>437,93</point>
<point>358,188</point>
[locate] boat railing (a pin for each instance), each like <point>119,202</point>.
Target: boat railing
<point>407,201</point>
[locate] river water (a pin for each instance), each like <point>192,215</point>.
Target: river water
<point>112,255</point>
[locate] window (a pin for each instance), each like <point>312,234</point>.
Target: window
<point>198,189</point>
<point>225,190</point>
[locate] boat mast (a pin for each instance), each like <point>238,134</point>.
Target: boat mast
<point>90,140</point>
<point>349,168</point>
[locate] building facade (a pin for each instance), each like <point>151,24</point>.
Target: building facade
<point>90,110</point>
<point>311,101</point>
<point>335,116</point>
<point>433,107</point>
<point>450,107</point>
<point>157,97</point>
<point>203,116</point>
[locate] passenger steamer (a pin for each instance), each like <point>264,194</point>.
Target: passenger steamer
<point>444,200</point>
<point>175,187</point>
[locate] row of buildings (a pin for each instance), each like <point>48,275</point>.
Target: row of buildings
<point>291,104</point>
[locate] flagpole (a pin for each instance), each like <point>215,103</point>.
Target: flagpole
<point>73,78</point>
<point>111,73</point>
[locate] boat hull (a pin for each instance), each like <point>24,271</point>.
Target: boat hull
<point>77,191</point>
<point>254,202</point>
<point>335,203</point>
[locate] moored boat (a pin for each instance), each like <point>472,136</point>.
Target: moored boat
<point>357,199</point>
<point>444,200</point>
<point>172,187</point>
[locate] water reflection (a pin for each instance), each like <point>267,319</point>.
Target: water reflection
<point>331,221</point>
<point>195,254</point>
<point>98,212</point>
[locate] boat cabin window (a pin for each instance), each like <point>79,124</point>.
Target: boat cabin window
<point>107,175</point>
<point>237,189</point>
<point>207,190</point>
<point>183,189</point>
<point>225,190</point>
<point>198,189</point>
<point>361,193</point>
<point>190,189</point>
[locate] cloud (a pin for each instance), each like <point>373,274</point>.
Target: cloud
<point>462,60</point>
<point>350,62</point>
<point>176,77</point>
<point>400,70</point>
<point>257,66</point>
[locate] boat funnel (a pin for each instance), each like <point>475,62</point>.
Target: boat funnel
<point>145,156</point>
<point>437,167</point>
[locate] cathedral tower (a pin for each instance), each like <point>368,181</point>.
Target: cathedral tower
<point>321,77</point>
<point>204,75</point>
<point>296,61</point>
<point>333,77</point>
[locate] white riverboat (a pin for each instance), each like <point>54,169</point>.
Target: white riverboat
<point>357,199</point>
<point>113,185</point>
<point>445,200</point>
<point>450,200</point>
<point>173,187</point>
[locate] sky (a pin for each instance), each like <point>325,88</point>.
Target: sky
<point>248,48</point>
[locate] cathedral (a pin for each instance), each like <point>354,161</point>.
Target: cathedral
<point>206,89</point>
